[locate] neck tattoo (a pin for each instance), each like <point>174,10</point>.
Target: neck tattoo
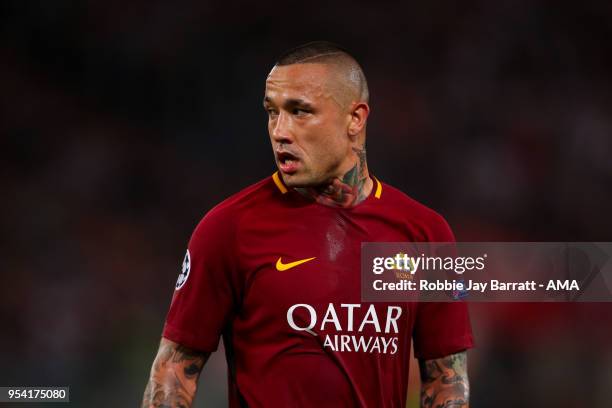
<point>346,191</point>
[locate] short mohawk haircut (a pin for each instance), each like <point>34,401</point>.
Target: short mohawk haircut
<point>325,51</point>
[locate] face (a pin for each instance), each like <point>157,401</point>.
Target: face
<point>308,124</point>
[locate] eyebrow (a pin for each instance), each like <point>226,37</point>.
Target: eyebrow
<point>290,103</point>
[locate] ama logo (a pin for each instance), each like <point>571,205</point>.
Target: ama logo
<point>182,278</point>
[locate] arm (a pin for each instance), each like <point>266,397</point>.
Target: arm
<point>174,376</point>
<point>444,382</point>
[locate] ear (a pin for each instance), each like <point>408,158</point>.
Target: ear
<point>358,116</point>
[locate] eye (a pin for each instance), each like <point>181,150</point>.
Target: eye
<point>271,112</point>
<point>300,111</point>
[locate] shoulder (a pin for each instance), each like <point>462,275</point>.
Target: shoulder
<point>426,222</point>
<point>223,218</point>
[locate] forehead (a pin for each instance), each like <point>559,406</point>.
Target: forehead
<point>298,80</point>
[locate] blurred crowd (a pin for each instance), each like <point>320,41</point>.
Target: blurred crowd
<point>122,123</point>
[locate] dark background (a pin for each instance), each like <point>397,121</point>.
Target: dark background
<point>122,123</point>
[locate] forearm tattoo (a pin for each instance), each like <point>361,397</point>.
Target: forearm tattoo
<point>174,377</point>
<point>445,382</point>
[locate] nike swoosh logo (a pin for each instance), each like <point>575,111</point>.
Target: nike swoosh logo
<point>280,266</point>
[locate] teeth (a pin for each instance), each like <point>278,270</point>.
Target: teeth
<point>288,161</point>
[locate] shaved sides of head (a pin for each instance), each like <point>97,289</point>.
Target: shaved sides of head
<point>327,53</point>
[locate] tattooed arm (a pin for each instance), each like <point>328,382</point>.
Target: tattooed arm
<point>444,382</point>
<point>174,376</point>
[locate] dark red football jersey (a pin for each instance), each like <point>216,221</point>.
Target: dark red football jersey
<point>278,277</point>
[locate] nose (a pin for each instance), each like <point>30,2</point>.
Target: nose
<point>280,129</point>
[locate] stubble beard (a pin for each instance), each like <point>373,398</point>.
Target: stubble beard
<point>309,179</point>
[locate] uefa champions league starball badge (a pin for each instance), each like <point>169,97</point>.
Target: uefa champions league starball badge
<point>182,278</point>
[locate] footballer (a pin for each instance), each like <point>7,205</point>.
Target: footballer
<point>275,269</point>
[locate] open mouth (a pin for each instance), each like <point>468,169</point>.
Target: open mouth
<point>286,158</point>
<point>287,162</point>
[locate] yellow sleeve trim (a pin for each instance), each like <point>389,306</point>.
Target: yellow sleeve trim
<point>378,188</point>
<point>279,183</point>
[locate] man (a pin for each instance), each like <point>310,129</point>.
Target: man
<point>274,269</point>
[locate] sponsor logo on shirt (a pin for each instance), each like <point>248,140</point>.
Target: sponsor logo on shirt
<point>349,321</point>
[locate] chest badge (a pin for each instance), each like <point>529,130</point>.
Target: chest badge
<point>280,266</point>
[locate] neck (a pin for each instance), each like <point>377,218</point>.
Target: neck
<point>347,190</point>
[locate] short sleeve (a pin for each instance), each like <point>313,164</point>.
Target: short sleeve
<point>207,290</point>
<point>441,328</point>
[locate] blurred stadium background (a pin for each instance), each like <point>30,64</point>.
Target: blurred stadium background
<point>122,123</point>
